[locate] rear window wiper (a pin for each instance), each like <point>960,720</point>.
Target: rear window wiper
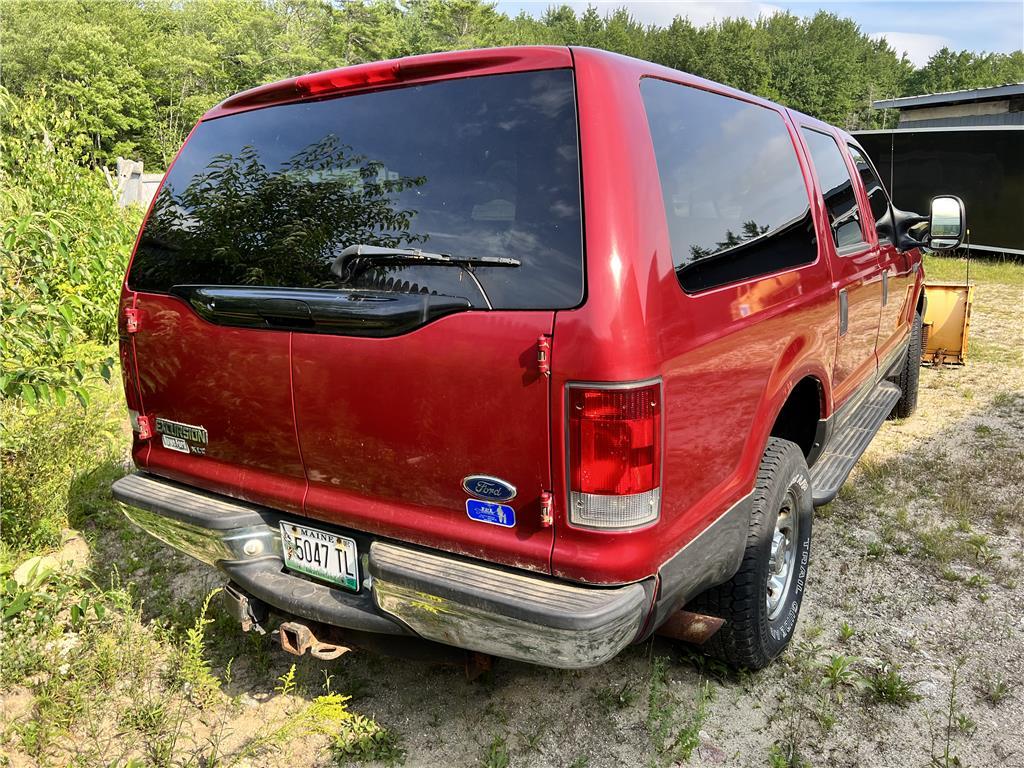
<point>354,258</point>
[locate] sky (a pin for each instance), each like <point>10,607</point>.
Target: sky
<point>916,27</point>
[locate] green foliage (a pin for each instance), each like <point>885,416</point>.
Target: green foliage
<point>70,660</point>
<point>46,449</point>
<point>886,684</point>
<point>192,672</point>
<point>362,739</point>
<point>949,70</point>
<point>286,682</point>
<point>496,755</point>
<point>674,730</point>
<point>137,75</point>
<point>64,246</point>
<point>785,756</point>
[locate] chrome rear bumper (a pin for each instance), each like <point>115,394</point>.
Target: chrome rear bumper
<point>468,604</point>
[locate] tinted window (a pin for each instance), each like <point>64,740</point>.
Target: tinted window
<point>485,166</point>
<point>876,192</point>
<point>836,187</point>
<point>734,196</point>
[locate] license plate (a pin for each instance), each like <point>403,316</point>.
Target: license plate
<point>324,555</point>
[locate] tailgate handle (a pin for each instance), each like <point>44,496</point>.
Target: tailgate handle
<point>285,312</point>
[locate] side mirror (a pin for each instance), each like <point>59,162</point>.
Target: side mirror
<point>946,223</point>
<point>942,230</point>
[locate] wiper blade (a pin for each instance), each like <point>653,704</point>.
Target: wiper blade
<point>340,267</point>
<point>346,265</point>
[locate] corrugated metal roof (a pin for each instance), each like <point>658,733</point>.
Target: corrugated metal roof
<point>952,97</point>
<point>1004,118</point>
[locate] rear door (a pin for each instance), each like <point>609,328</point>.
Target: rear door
<point>218,396</point>
<point>855,266</point>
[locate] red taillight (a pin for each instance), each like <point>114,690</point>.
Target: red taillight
<point>614,455</point>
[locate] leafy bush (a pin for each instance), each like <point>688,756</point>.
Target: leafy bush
<point>45,448</point>
<point>63,246</point>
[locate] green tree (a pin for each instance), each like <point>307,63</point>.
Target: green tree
<point>949,70</point>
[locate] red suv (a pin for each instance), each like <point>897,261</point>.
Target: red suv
<point>519,350</point>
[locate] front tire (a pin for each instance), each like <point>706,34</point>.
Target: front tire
<point>909,377</point>
<point>760,604</point>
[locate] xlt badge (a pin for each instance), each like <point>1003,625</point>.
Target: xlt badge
<point>185,438</point>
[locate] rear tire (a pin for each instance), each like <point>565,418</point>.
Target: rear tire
<point>760,604</point>
<point>908,379</point>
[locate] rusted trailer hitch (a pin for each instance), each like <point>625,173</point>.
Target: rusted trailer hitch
<point>296,639</point>
<point>689,627</point>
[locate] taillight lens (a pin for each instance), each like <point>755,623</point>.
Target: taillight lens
<point>614,455</point>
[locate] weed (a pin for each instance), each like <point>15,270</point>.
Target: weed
<point>824,713</point>
<point>875,550</point>
<point>977,581</point>
<point>610,698</point>
<point>886,684</point>
<point>813,631</point>
<point>839,674</point>
<point>496,755</point>
<point>363,740</point>
<point>193,673</point>
<point>785,756</point>
<point>993,689</point>
<point>846,632</point>
<point>674,734</point>
<point>286,682</point>
<point>1006,400</point>
<point>956,722</point>
<point>979,546</point>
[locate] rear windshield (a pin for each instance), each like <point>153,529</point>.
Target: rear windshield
<point>477,167</point>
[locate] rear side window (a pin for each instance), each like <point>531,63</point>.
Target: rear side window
<point>475,167</point>
<point>876,192</point>
<point>734,195</point>
<point>836,188</point>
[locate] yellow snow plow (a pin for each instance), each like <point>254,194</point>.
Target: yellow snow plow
<point>947,322</point>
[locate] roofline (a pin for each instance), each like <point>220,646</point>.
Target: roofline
<point>426,67</point>
<point>941,129</point>
<point>952,97</point>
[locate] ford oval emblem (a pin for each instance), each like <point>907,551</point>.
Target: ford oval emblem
<point>490,488</point>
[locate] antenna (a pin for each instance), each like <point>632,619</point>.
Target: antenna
<point>968,255</point>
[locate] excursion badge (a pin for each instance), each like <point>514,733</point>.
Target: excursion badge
<point>489,488</point>
<point>184,438</point>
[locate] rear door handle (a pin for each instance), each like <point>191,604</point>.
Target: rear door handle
<point>844,312</point>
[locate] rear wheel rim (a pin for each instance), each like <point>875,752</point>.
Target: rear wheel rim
<point>782,556</point>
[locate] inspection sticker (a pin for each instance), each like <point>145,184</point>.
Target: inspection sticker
<point>488,512</point>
